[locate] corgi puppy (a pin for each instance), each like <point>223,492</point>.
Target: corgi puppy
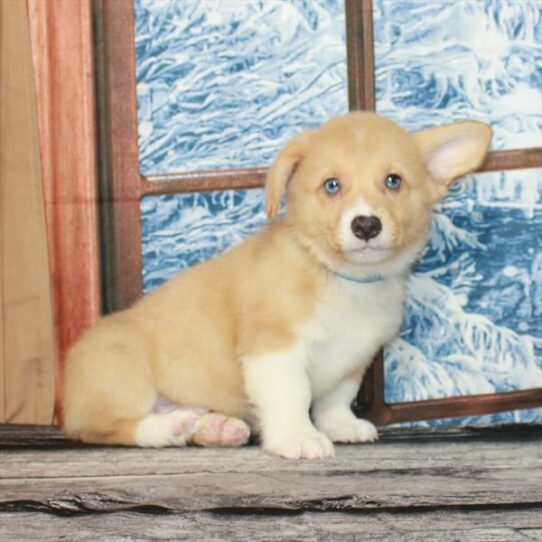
<point>275,334</point>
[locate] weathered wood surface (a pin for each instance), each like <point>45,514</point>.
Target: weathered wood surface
<point>487,526</point>
<point>47,436</point>
<point>463,485</point>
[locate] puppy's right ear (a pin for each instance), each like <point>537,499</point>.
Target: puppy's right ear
<point>281,171</point>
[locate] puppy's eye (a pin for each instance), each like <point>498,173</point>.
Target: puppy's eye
<point>393,181</point>
<point>332,186</point>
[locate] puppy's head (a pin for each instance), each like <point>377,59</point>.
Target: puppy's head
<point>360,188</point>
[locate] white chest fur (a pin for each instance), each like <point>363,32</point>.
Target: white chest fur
<point>351,323</point>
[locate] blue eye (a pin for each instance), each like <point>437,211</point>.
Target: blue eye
<point>332,186</point>
<point>393,181</point>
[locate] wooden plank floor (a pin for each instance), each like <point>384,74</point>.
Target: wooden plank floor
<point>472,485</point>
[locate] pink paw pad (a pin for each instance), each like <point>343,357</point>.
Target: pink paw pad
<point>235,433</point>
<point>186,425</point>
<point>219,430</point>
<point>209,430</point>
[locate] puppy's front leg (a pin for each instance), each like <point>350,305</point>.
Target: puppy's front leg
<point>334,417</point>
<point>278,386</point>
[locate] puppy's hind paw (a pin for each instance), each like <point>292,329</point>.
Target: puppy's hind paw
<point>219,430</point>
<point>173,428</point>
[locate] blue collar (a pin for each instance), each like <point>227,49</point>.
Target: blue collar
<point>361,280</point>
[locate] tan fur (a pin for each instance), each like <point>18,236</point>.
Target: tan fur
<point>185,340</point>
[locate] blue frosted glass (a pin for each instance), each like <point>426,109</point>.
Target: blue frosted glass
<point>180,230</point>
<point>446,60</point>
<point>474,317</point>
<point>223,84</point>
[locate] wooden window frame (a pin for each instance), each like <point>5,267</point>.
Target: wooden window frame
<point>122,187</point>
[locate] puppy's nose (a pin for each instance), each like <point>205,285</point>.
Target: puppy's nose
<point>366,227</point>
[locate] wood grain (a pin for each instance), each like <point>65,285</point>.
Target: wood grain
<point>472,405</point>
<point>388,456</point>
<point>120,183</point>
<point>62,51</point>
<point>360,55</point>
<point>473,526</point>
<point>500,470</point>
<point>513,159</point>
<point>202,181</point>
<point>371,404</point>
<point>39,437</point>
<point>478,485</point>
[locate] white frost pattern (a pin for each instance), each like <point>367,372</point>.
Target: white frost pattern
<point>182,230</point>
<point>512,190</point>
<point>223,83</point>
<point>447,60</point>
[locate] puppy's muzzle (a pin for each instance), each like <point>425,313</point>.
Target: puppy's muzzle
<point>366,227</point>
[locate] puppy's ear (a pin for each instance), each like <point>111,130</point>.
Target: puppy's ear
<point>452,151</point>
<point>281,170</point>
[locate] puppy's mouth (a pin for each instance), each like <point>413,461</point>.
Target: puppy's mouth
<point>366,253</point>
<point>367,249</point>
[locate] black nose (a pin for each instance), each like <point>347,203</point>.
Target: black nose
<point>366,227</point>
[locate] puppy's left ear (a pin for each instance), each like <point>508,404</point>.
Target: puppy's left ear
<point>281,170</point>
<point>452,151</point>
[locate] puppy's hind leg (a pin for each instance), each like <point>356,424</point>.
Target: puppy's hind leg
<point>174,425</point>
<point>183,426</point>
<point>179,427</point>
<point>109,395</point>
<point>174,428</point>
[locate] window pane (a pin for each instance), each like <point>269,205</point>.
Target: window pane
<point>442,61</point>
<point>474,316</point>
<point>181,230</point>
<point>222,84</point>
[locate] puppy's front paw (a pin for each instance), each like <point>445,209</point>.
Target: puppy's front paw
<point>296,444</point>
<point>349,429</point>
